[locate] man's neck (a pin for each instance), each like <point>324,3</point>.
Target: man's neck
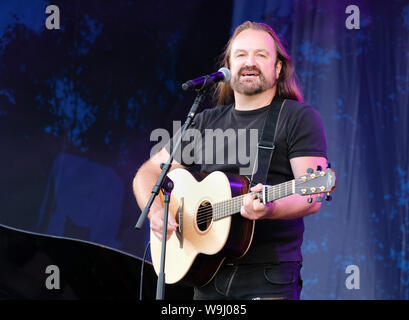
<point>245,102</point>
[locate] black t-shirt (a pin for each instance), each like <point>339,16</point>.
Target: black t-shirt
<point>225,139</point>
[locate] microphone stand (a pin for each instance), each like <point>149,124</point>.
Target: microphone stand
<point>160,286</point>
<point>166,188</point>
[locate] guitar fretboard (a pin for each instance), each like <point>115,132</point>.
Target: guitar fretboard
<point>232,206</point>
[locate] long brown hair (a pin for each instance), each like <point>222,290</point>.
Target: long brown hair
<point>287,86</point>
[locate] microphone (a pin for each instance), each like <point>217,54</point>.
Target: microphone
<point>223,74</point>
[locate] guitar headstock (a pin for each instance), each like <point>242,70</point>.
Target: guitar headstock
<point>316,182</point>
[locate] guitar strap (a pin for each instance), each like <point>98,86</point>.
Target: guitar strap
<point>266,144</point>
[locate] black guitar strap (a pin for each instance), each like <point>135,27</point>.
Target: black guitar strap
<point>266,144</point>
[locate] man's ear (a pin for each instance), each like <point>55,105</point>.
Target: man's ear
<point>279,65</point>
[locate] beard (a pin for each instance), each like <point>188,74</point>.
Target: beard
<point>249,87</point>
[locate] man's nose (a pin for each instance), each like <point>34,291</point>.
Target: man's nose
<point>250,61</point>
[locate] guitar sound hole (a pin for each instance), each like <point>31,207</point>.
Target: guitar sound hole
<point>204,215</point>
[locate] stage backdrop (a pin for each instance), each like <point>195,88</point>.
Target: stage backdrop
<point>78,104</point>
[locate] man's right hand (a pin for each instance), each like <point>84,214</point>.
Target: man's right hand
<point>156,223</point>
<point>143,183</point>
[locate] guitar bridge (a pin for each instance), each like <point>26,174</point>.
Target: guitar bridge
<point>179,218</point>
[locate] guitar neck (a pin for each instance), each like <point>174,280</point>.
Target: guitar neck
<point>232,206</point>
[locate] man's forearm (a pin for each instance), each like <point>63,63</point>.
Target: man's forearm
<point>147,176</point>
<point>142,186</point>
<point>293,207</point>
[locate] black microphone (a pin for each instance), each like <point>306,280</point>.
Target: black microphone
<point>223,74</point>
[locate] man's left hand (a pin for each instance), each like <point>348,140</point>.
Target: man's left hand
<point>253,208</point>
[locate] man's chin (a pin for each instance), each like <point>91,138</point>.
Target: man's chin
<point>249,90</point>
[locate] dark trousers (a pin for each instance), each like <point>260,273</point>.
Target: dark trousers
<point>254,281</point>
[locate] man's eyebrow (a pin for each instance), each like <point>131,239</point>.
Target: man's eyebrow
<point>263,50</point>
<point>239,50</point>
<point>257,50</point>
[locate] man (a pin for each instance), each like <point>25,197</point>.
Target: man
<point>261,70</point>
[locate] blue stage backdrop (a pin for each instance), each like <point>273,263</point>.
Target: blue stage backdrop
<point>78,105</point>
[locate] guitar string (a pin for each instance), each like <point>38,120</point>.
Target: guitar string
<point>207,212</point>
<point>204,213</point>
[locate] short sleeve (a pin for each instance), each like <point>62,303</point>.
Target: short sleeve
<point>306,136</point>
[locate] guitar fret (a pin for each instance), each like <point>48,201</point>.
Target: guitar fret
<point>229,207</point>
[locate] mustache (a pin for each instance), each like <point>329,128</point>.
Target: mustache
<point>249,69</point>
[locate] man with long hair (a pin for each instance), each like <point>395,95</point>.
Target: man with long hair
<point>261,71</point>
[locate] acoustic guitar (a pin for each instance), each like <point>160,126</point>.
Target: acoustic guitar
<point>210,227</point>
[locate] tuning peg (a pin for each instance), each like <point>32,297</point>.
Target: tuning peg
<point>328,197</point>
<point>310,170</point>
<point>328,165</point>
<point>319,199</point>
<point>319,168</point>
<point>309,199</point>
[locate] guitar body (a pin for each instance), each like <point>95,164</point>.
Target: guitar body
<point>195,252</point>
